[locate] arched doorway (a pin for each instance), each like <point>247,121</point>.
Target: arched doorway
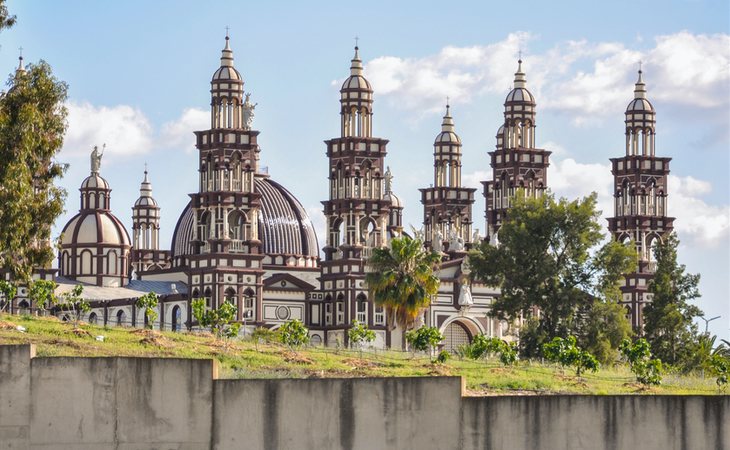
<point>455,334</point>
<point>176,315</point>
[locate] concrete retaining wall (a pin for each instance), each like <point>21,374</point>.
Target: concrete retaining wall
<point>137,403</point>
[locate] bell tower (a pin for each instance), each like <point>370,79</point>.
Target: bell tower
<point>358,211</point>
<point>227,264</point>
<point>146,254</point>
<point>640,199</point>
<point>517,166</point>
<point>447,204</point>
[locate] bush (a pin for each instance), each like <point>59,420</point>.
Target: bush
<point>443,356</point>
<point>221,321</point>
<point>482,346</point>
<point>294,334</point>
<point>647,370</point>
<point>566,353</point>
<point>424,338</point>
<point>148,302</point>
<point>508,353</point>
<point>720,367</point>
<point>359,334</point>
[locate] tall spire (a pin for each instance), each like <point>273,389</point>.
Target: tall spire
<point>145,188</point>
<point>448,123</point>
<point>356,66</point>
<point>640,87</point>
<point>227,53</point>
<point>21,67</point>
<point>520,80</point>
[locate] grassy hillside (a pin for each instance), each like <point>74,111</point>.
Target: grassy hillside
<point>244,359</point>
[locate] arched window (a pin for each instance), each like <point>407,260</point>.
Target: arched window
<point>362,309</point>
<point>112,262</point>
<point>207,295</point>
<point>176,318</point>
<point>86,268</point>
<point>92,318</point>
<point>230,296</point>
<point>340,309</point>
<point>236,225</point>
<point>121,318</point>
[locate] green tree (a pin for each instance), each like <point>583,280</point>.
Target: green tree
<point>149,303</point>
<point>602,329</point>
<point>74,303</point>
<point>720,367</point>
<point>294,334</point>
<point>424,339</point>
<point>648,370</point>
<point>8,289</point>
<point>359,334</point>
<point>549,257</point>
<point>41,294</point>
<point>508,353</point>
<point>668,319</point>
<point>6,20</point>
<point>567,353</point>
<point>402,280</point>
<point>221,321</point>
<point>32,125</point>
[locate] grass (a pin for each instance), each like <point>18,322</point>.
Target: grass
<point>244,359</point>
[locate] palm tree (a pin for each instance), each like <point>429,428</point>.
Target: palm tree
<point>402,280</point>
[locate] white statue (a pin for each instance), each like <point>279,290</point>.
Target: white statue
<point>437,243</point>
<point>465,298</point>
<point>476,239</point>
<point>248,112</point>
<point>466,266</point>
<point>96,158</point>
<point>418,233</point>
<point>456,242</point>
<point>388,180</point>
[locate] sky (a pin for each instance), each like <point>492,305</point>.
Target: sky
<point>139,73</point>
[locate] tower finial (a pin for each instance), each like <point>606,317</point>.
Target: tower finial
<point>357,39</point>
<point>227,29</point>
<point>21,67</point>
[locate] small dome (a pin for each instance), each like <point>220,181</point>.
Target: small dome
<point>145,201</point>
<point>227,73</point>
<point>145,193</point>
<point>521,95</point>
<point>91,228</point>
<point>395,201</point>
<point>94,181</point>
<point>640,103</point>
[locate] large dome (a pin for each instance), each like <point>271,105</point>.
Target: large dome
<point>284,226</point>
<point>92,227</point>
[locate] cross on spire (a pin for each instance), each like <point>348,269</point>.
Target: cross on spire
<point>520,54</point>
<point>21,51</point>
<point>447,101</point>
<point>640,63</point>
<point>356,41</point>
<point>227,29</point>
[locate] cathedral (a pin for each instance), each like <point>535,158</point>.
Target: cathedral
<point>244,238</point>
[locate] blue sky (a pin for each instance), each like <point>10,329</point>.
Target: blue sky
<point>139,77</point>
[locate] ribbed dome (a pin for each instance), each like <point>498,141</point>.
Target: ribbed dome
<point>520,95</point>
<point>94,181</point>
<point>94,227</point>
<point>227,73</point>
<point>395,201</point>
<point>284,226</point>
<point>639,104</point>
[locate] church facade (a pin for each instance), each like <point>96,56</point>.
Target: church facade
<point>244,238</point>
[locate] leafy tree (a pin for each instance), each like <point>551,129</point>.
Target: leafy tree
<point>648,370</point>
<point>73,302</point>
<point>566,353</point>
<point>8,289</point>
<point>424,339</point>
<point>402,280</point>
<point>41,293</point>
<point>149,303</point>
<point>602,329</point>
<point>668,319</point>
<point>548,258</point>
<point>6,20</point>
<point>481,346</point>
<point>221,321</point>
<point>508,353</point>
<point>360,334</point>
<point>263,334</point>
<point>720,366</point>
<point>32,125</point>
<point>294,334</point>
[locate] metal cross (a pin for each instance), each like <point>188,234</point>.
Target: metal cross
<point>356,40</point>
<point>520,53</point>
<point>21,51</point>
<point>640,62</point>
<point>447,101</point>
<point>227,28</point>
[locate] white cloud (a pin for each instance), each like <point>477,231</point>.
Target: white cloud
<point>179,133</point>
<point>571,179</point>
<point>589,81</point>
<point>474,180</point>
<point>704,224</point>
<point>124,129</point>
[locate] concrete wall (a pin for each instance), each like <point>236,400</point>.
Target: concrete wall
<point>137,403</point>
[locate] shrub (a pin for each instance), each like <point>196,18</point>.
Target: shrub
<point>148,302</point>
<point>647,370</point>
<point>360,334</point>
<point>443,356</point>
<point>508,353</point>
<point>221,321</point>
<point>294,334</point>
<point>424,338</point>
<point>566,353</point>
<point>720,366</point>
